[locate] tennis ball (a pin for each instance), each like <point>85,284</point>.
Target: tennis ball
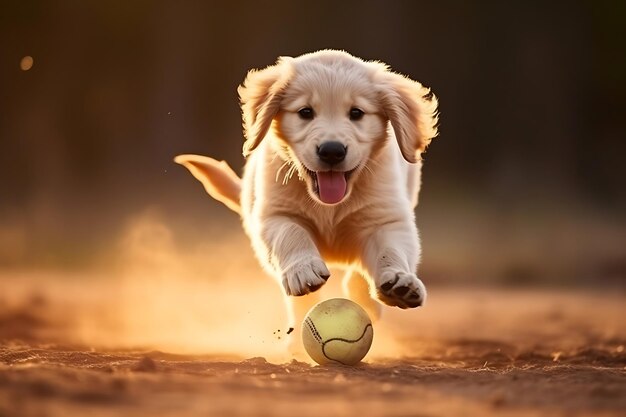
<point>337,331</point>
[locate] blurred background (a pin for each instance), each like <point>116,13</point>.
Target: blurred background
<point>524,185</point>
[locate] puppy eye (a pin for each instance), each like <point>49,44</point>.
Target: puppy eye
<point>306,113</point>
<point>356,113</point>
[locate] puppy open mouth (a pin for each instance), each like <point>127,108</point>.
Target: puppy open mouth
<point>330,186</point>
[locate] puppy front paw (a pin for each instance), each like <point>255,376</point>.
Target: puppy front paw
<point>401,289</point>
<point>307,275</point>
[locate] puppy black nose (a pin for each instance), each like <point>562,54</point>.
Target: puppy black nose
<point>332,152</point>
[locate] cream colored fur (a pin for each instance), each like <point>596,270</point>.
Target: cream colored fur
<point>372,231</point>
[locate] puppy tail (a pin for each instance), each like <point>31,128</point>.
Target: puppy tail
<point>219,180</point>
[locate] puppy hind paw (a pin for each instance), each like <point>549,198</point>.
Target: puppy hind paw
<point>306,276</point>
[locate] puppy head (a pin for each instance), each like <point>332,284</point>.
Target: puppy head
<point>330,113</point>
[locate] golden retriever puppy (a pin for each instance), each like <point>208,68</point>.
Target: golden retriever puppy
<point>333,147</point>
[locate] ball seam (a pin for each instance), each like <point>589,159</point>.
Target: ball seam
<point>313,330</point>
<point>343,340</point>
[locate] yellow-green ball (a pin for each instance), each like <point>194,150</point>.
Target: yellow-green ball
<point>337,331</point>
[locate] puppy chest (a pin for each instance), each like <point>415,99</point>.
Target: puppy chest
<point>338,242</point>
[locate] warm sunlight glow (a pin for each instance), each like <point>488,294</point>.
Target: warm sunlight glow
<point>187,301</point>
<point>151,292</point>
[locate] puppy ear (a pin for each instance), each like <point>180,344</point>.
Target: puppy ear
<point>412,110</point>
<point>260,96</point>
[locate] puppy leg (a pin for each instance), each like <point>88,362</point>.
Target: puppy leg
<point>390,257</point>
<point>358,290</point>
<point>297,308</point>
<point>292,255</point>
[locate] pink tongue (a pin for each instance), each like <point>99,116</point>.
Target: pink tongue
<point>332,186</point>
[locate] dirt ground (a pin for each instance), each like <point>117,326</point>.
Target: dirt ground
<point>470,351</point>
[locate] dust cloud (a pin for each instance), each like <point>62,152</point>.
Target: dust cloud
<point>154,291</point>
<point>204,299</point>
